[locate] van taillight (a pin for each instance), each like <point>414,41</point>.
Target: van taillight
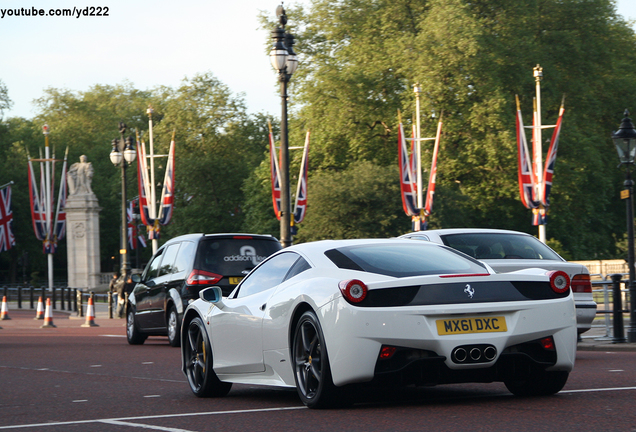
<point>581,283</point>
<point>201,277</point>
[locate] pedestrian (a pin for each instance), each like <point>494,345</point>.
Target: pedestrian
<point>111,288</point>
<point>119,287</point>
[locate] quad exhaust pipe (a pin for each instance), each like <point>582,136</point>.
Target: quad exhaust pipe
<point>482,353</point>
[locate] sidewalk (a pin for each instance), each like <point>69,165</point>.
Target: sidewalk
<point>596,339</point>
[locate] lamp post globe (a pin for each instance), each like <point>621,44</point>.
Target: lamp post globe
<point>625,142</point>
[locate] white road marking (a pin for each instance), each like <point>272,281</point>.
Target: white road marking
<point>597,390</point>
<point>152,396</point>
<point>138,425</point>
<point>118,336</point>
<point>125,419</point>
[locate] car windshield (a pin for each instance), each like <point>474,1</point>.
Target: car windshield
<point>500,246</point>
<point>233,256</point>
<point>403,260</point>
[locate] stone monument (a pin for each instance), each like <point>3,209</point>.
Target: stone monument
<point>82,225</point>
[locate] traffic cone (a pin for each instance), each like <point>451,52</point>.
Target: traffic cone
<point>4,314</point>
<point>39,312</point>
<point>90,314</point>
<point>48,315</point>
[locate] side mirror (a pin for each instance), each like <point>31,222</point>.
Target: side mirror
<point>212,295</point>
<point>136,278</point>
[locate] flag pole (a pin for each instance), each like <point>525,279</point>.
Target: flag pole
<point>47,195</point>
<point>538,157</point>
<point>153,199</point>
<point>418,147</point>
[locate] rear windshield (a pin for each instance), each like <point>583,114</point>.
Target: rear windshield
<point>500,246</point>
<point>403,260</point>
<point>233,256</point>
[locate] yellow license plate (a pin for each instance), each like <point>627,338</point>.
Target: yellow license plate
<point>235,280</point>
<point>471,325</point>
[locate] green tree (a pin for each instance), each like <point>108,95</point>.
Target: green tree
<point>359,60</point>
<point>219,145</point>
<point>362,201</point>
<point>5,101</point>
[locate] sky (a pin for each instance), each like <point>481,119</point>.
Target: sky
<point>146,43</point>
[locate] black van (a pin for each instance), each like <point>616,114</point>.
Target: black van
<point>180,269</point>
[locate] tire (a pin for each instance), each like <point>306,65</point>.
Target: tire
<point>197,356</point>
<point>540,384</point>
<point>312,372</point>
<point>134,336</point>
<point>174,327</point>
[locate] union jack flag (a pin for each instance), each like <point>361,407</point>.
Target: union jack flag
<point>37,212</point>
<point>407,180</point>
<point>60,213</point>
<point>550,161</point>
<point>430,191</point>
<point>7,240</point>
<point>167,195</point>
<point>274,174</point>
<point>300,209</point>
<point>534,188</point>
<point>526,179</point>
<point>133,230</point>
<point>144,186</point>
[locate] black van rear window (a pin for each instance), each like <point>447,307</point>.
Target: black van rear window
<point>233,256</point>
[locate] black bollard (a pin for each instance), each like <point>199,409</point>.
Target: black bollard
<point>31,296</point>
<point>617,308</point>
<point>19,297</point>
<point>110,304</point>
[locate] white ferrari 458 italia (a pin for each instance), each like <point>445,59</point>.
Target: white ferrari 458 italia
<point>329,316</point>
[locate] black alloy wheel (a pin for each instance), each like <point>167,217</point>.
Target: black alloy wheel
<point>174,327</point>
<point>134,336</point>
<point>198,363</point>
<point>311,366</point>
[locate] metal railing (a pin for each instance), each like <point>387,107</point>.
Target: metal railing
<point>604,292</point>
<point>71,299</point>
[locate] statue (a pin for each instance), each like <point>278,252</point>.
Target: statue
<point>79,177</point>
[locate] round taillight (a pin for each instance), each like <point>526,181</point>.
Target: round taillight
<point>354,291</point>
<point>559,281</point>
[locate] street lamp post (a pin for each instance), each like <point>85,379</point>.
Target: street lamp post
<point>285,62</point>
<point>625,141</point>
<point>123,153</point>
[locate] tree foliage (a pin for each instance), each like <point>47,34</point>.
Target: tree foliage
<point>217,147</point>
<point>360,60</point>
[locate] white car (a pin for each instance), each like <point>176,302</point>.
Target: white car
<point>507,251</point>
<point>324,317</point>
